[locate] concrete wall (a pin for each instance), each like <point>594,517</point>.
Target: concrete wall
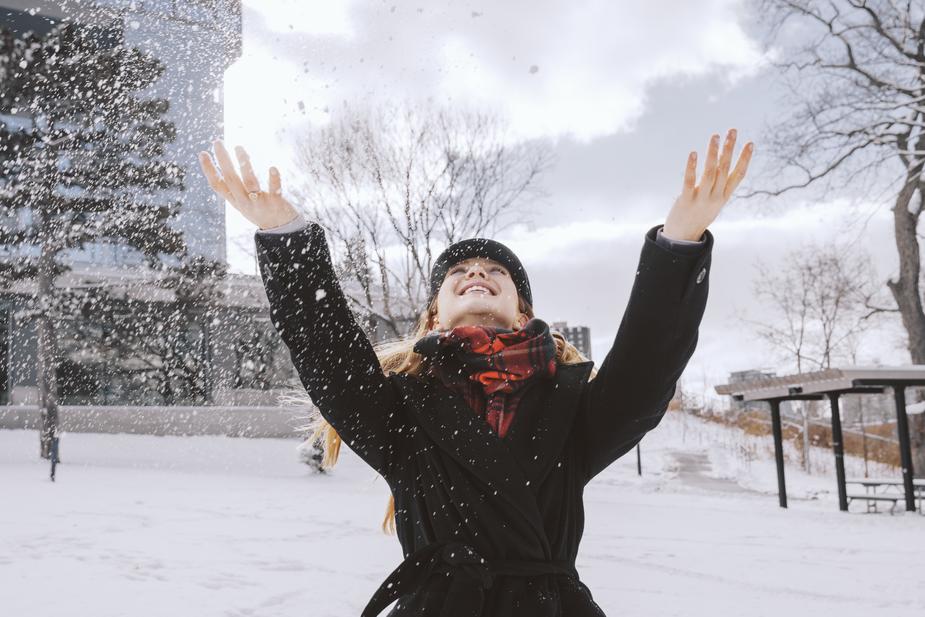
<point>150,420</point>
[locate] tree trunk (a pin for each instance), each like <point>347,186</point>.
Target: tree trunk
<point>47,378</point>
<point>807,467</point>
<point>206,359</point>
<point>917,437</point>
<point>909,302</point>
<point>863,434</point>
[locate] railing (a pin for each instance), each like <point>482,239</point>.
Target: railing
<point>827,425</point>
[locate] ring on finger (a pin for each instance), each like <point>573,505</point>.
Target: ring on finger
<point>254,195</point>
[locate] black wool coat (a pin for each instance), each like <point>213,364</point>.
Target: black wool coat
<point>489,527</point>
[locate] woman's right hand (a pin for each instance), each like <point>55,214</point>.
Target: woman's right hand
<point>265,209</point>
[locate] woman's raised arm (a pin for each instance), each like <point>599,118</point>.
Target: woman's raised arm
<point>659,331</point>
<point>333,356</point>
<point>657,336</point>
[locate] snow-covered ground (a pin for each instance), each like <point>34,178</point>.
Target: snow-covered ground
<point>150,526</point>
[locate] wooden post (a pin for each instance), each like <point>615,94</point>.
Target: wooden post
<point>778,451</point>
<point>905,447</point>
<point>839,448</point>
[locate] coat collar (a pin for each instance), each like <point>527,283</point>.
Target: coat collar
<point>514,466</point>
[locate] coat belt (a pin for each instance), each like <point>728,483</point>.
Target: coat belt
<point>470,576</point>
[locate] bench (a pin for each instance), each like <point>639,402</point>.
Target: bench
<point>872,500</point>
<point>889,485</point>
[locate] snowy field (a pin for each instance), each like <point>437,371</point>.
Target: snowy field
<point>147,526</point>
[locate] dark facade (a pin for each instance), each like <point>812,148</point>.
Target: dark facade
<point>579,336</point>
<point>243,360</point>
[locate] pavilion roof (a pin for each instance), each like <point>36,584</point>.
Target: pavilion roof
<point>815,384</point>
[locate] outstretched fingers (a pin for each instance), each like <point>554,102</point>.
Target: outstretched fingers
<point>722,171</point>
<point>265,209</point>
<point>709,170</point>
<point>275,183</point>
<point>249,179</point>
<point>738,172</point>
<point>213,178</point>
<point>230,175</point>
<point>690,175</point>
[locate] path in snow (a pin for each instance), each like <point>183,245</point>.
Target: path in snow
<point>694,469</point>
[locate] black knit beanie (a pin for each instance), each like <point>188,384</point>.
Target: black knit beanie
<point>479,247</point>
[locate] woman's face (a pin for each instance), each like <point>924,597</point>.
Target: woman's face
<point>496,305</point>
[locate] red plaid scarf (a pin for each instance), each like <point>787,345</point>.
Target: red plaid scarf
<point>490,366</point>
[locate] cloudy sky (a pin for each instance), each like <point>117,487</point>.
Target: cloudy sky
<point>623,90</point>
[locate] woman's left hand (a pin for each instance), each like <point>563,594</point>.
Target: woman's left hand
<point>697,206</point>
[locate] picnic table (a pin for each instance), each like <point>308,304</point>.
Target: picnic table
<point>885,489</point>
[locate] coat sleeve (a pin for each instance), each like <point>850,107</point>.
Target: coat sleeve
<point>656,339</point>
<point>685,247</point>
<point>332,355</point>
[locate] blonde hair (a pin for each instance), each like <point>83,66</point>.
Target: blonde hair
<point>398,356</point>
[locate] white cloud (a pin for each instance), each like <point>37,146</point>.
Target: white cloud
<point>321,17</point>
<point>581,69</point>
<point>554,69</point>
<point>585,72</point>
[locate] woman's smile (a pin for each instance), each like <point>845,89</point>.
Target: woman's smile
<point>478,288</point>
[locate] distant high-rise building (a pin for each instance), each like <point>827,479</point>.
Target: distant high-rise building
<point>749,375</point>
<point>579,336</point>
<point>196,40</point>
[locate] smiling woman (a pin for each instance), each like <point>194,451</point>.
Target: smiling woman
<point>486,424</point>
<point>480,290</point>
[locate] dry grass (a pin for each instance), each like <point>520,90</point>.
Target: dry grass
<point>758,423</point>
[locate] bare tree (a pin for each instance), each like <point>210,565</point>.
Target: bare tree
<point>395,184</point>
<point>820,297</point>
<point>856,76</point>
